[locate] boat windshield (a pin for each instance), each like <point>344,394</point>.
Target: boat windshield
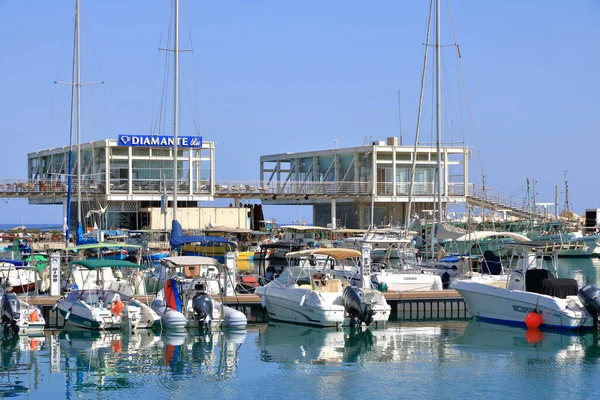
<point>301,275</point>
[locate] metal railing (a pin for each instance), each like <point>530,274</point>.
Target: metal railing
<point>225,188</point>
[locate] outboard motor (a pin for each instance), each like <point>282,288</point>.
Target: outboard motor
<point>203,307</point>
<point>11,312</point>
<point>590,297</point>
<point>354,303</point>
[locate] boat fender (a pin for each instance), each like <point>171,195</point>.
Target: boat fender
<point>263,302</point>
<point>302,300</point>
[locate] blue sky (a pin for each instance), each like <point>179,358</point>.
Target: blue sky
<point>277,76</point>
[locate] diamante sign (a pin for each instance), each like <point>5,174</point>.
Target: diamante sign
<point>159,141</point>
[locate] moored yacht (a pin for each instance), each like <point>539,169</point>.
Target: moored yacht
<point>533,288</point>
<point>100,300</point>
<point>321,296</point>
<point>186,299</point>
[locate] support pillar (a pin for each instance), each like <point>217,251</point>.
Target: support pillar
<point>333,214</point>
<point>230,274</point>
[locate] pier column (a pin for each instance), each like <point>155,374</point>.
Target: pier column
<point>55,272</point>
<point>333,214</point>
<point>231,274</point>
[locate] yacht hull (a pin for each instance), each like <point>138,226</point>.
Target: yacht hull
<point>512,306</point>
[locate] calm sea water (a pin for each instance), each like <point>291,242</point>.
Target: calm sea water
<point>43,227</point>
<point>280,361</point>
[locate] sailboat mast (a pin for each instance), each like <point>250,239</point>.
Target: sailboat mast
<point>419,112</point>
<point>438,105</point>
<point>175,107</point>
<point>78,89</point>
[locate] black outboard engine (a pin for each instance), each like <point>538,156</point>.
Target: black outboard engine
<point>203,307</point>
<point>11,312</point>
<point>590,297</point>
<point>354,303</point>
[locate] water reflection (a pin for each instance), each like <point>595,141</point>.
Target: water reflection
<point>290,343</point>
<point>93,362</point>
<point>583,270</point>
<point>211,354</point>
<point>564,346</point>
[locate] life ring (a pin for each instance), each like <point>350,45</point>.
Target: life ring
<point>116,307</point>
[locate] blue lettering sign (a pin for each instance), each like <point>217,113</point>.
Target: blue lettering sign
<point>159,141</point>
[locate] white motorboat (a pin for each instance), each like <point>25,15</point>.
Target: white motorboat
<point>102,301</point>
<point>487,270</point>
<point>532,287</point>
<point>382,277</point>
<point>186,300</point>
<point>321,296</point>
<point>18,316</point>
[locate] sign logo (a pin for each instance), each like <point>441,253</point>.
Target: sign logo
<point>159,141</point>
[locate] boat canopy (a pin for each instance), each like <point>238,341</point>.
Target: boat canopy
<point>480,235</point>
<point>182,261</point>
<point>178,238</point>
<point>304,228</point>
<point>226,229</point>
<point>335,253</point>
<point>98,264</point>
<point>104,245</point>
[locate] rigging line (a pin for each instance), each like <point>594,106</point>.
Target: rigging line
<point>106,109</point>
<point>464,88</point>
<point>154,117</point>
<point>196,119</point>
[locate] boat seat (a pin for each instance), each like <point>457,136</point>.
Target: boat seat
<point>191,271</point>
<point>491,263</point>
<point>534,279</point>
<point>333,285</point>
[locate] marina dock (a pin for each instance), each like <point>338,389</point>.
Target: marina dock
<point>406,306</point>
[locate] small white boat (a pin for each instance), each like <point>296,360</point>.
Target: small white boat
<point>186,300</point>
<point>20,317</point>
<point>533,288</point>
<point>102,301</point>
<point>382,277</point>
<point>321,296</point>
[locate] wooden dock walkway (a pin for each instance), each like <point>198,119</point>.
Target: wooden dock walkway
<point>406,306</point>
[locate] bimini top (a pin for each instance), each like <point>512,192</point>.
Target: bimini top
<point>104,245</point>
<point>335,253</point>
<point>182,261</point>
<point>304,228</point>
<point>480,235</point>
<point>98,264</point>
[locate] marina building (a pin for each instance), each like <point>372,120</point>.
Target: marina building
<point>132,177</point>
<point>353,187</point>
<point>357,187</point>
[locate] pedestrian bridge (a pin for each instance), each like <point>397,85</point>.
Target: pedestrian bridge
<point>274,193</point>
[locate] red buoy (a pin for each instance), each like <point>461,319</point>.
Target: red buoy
<point>533,335</point>
<point>533,320</point>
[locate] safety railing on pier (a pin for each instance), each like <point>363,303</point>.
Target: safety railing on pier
<point>225,188</point>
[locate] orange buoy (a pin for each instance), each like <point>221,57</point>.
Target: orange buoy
<point>533,320</point>
<point>533,335</point>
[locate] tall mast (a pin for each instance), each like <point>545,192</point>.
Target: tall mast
<point>419,112</point>
<point>175,107</point>
<point>438,106</point>
<point>78,89</point>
